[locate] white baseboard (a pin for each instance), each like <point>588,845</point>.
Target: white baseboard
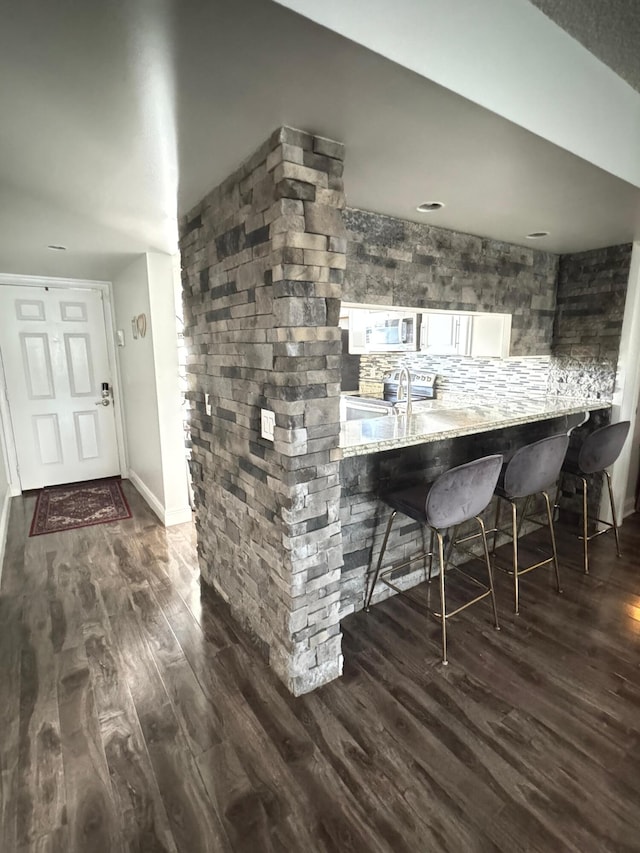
<point>168,518</point>
<point>4,526</point>
<point>178,516</point>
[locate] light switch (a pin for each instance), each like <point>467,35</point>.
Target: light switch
<point>267,424</point>
<point>207,404</point>
<point>120,337</point>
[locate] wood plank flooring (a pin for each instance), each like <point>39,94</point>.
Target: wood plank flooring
<point>136,716</point>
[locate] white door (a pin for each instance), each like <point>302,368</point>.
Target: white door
<point>54,349</point>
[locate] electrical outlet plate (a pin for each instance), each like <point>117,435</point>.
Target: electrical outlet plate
<point>267,424</point>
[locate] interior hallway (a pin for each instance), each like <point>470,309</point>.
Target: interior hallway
<point>135,716</point>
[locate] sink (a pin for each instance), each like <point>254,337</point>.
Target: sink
<point>360,408</point>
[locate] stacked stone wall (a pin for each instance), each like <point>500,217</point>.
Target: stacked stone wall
<point>396,262</point>
<point>592,289</point>
<point>263,260</point>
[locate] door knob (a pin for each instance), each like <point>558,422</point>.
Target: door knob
<point>106,395</point>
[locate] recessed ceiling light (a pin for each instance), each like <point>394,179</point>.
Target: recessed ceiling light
<point>58,248</point>
<point>429,206</point>
<point>536,235</point>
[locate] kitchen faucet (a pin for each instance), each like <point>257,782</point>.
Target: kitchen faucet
<point>405,375</point>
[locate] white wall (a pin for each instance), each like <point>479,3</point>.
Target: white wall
<point>5,495</point>
<point>507,56</point>
<point>165,350</point>
<point>149,381</point>
<point>625,399</point>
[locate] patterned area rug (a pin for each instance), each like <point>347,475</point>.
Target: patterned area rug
<point>79,505</point>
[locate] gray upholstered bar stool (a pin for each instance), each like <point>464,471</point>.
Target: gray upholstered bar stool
<point>532,470</point>
<point>598,452</point>
<point>457,496</point>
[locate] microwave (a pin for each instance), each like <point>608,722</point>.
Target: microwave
<point>374,330</point>
<point>386,331</point>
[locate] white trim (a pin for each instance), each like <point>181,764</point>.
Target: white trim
<point>105,288</point>
<point>168,518</point>
<point>47,281</point>
<point>116,382</point>
<point>178,516</point>
<point>147,494</point>
<point>7,442</point>
<point>625,398</point>
<point>4,526</point>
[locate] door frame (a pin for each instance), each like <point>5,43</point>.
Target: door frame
<point>105,288</point>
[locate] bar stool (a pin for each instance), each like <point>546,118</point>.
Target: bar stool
<point>532,470</point>
<point>598,452</point>
<point>457,496</point>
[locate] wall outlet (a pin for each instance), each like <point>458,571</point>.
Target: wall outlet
<point>267,424</point>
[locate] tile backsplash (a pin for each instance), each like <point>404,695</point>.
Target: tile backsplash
<point>535,376</point>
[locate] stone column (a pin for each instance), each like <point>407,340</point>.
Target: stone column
<point>263,260</point>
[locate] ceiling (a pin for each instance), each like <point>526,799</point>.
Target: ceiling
<point>609,30</point>
<point>114,112</point>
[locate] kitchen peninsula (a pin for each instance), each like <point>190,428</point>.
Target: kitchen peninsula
<point>393,452</point>
<point>453,417</point>
<point>287,521</point>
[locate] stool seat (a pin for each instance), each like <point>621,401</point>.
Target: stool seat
<point>410,501</point>
<point>601,449</point>
<point>598,452</point>
<point>532,470</point>
<point>457,496</point>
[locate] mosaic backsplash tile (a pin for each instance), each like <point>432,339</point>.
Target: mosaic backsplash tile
<point>533,377</point>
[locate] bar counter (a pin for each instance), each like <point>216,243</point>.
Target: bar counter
<point>393,452</point>
<point>454,416</point>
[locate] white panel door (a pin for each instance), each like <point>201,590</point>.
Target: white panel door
<point>54,349</point>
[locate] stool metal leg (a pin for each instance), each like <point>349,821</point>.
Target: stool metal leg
<point>613,513</point>
<point>489,571</point>
<point>585,526</point>
<point>430,555</point>
<point>523,513</point>
<point>552,534</point>
<point>367,604</point>
<point>514,525</point>
<point>443,609</point>
<point>496,524</point>
<point>556,501</point>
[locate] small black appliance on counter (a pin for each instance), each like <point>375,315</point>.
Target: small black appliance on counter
<point>423,386</point>
<point>350,367</point>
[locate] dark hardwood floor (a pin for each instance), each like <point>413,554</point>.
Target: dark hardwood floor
<point>135,716</point>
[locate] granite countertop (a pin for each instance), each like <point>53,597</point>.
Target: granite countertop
<point>451,417</point>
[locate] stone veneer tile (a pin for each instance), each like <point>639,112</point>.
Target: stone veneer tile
<point>591,296</point>
<point>396,262</point>
<point>262,278</point>
<point>286,532</point>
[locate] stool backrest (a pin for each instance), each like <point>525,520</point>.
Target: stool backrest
<point>576,421</point>
<point>602,447</point>
<point>535,467</point>
<point>463,492</point>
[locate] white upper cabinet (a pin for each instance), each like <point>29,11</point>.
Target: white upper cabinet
<point>385,328</point>
<point>468,334</point>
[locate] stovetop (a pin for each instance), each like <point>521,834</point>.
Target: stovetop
<point>422,385</point>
